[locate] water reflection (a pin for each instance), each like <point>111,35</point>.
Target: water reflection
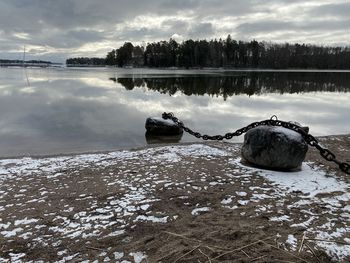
<point>158,139</point>
<point>249,83</point>
<point>71,110</point>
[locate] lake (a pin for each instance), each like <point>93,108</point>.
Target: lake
<point>72,110</point>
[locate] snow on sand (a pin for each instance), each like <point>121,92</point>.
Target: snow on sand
<point>310,199</point>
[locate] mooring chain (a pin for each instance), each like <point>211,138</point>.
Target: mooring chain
<point>273,121</point>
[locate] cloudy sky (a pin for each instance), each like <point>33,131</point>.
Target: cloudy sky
<point>57,29</point>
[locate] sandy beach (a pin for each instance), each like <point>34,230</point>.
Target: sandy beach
<point>175,203</point>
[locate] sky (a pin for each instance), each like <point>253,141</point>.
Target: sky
<point>58,29</point>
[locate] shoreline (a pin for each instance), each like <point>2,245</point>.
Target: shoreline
<point>138,148</point>
<point>184,202</point>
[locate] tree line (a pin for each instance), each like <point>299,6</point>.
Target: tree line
<point>27,61</point>
<point>84,61</point>
<point>228,53</point>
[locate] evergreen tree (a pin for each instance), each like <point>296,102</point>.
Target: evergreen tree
<point>124,54</point>
<point>111,58</point>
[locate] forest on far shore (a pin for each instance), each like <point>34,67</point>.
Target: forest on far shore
<point>227,53</point>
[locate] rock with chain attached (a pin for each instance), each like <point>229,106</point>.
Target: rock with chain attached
<point>159,126</point>
<point>274,148</point>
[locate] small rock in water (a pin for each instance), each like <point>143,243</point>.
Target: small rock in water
<point>159,126</point>
<point>274,148</point>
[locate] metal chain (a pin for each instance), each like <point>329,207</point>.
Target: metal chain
<point>273,121</point>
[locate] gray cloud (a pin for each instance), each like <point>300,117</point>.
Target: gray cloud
<point>336,10</point>
<point>75,38</point>
<point>180,4</point>
<point>143,33</point>
<point>265,26</point>
<point>61,28</point>
<point>175,25</point>
<point>202,30</point>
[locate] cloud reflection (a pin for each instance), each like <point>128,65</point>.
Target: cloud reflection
<point>74,111</point>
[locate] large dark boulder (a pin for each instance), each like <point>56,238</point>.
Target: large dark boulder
<point>159,126</point>
<point>274,148</point>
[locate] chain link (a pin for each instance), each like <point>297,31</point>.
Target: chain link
<point>273,121</point>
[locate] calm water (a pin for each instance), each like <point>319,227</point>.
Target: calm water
<point>51,111</point>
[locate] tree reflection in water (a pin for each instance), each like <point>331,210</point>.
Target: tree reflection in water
<point>250,83</point>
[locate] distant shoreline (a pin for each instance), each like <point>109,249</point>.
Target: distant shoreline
<point>27,63</point>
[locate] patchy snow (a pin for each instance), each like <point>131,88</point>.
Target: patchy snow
<point>117,233</point>
<point>317,202</point>
<point>313,190</point>
<point>168,122</point>
<point>292,242</point>
<point>67,258</point>
<point>337,251</point>
<point>280,218</point>
<point>5,226</point>
<point>199,210</point>
<point>153,219</point>
<point>243,202</point>
<point>11,233</point>
<point>54,165</point>
<point>310,181</point>
<point>118,255</point>
<point>97,217</point>
<point>138,256</point>
<point>226,201</point>
<point>25,221</point>
<point>16,257</point>
<point>305,224</point>
<point>293,135</point>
